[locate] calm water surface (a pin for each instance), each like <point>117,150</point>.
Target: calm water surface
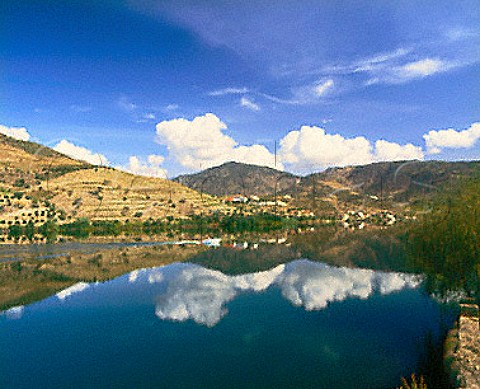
<point>298,325</point>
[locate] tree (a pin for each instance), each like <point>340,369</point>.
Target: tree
<point>80,228</point>
<point>446,242</point>
<point>29,230</point>
<point>50,231</point>
<point>15,232</point>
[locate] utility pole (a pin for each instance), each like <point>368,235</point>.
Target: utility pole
<point>314,194</point>
<point>275,154</point>
<point>381,192</point>
<point>276,181</point>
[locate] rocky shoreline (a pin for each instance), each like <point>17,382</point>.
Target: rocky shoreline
<point>463,349</point>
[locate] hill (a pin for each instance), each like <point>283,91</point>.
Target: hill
<point>238,178</point>
<point>39,184</point>
<point>106,193</point>
<point>393,183</point>
<point>377,185</point>
<point>25,164</point>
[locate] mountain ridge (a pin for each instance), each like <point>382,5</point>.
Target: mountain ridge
<point>398,181</point>
<point>238,178</point>
<point>84,190</point>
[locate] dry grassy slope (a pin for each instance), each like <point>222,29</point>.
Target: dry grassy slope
<point>106,193</point>
<point>83,190</point>
<point>31,162</point>
<point>29,155</point>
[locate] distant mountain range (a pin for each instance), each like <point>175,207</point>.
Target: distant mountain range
<point>43,176</point>
<point>393,182</point>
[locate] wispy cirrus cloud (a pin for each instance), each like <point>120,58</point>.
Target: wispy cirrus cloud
<point>125,104</point>
<point>143,113</point>
<point>311,93</point>
<point>249,104</point>
<point>411,70</point>
<point>171,107</point>
<point>404,65</point>
<point>367,64</point>
<point>461,33</point>
<point>229,91</point>
<point>80,108</point>
<point>396,67</point>
<point>324,87</point>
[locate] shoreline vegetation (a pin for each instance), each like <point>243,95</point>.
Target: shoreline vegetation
<point>87,230</point>
<point>445,244</point>
<point>462,348</point>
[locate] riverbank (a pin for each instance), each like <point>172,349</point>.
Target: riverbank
<point>463,349</point>
<point>30,280</point>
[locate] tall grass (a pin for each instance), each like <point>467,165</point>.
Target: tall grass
<point>413,384</point>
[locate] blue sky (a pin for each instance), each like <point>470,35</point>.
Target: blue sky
<point>178,86</point>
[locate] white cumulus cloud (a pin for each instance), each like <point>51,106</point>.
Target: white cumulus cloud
<point>390,151</point>
<point>19,133</point>
<point>315,285</point>
<point>313,148</point>
<point>81,153</point>
<point>436,141</point>
<point>14,313</point>
<point>196,293</point>
<point>151,168</point>
<point>201,143</point>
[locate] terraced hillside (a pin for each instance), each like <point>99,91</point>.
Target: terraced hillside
<point>39,184</point>
<point>396,183</point>
<point>106,193</point>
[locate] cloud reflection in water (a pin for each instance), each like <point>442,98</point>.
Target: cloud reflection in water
<point>192,292</point>
<point>14,313</point>
<point>76,288</point>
